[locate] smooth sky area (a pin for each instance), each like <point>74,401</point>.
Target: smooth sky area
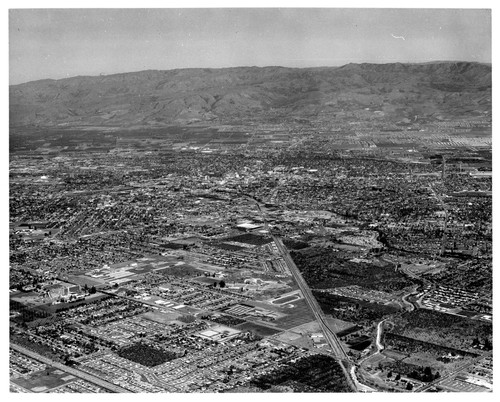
<point>59,43</point>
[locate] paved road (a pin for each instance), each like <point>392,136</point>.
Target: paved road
<point>451,374</point>
<point>77,373</point>
<point>380,347</point>
<point>361,387</point>
<point>330,336</point>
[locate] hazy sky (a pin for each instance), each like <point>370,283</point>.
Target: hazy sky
<point>58,43</point>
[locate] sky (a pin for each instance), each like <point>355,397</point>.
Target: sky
<point>59,43</point>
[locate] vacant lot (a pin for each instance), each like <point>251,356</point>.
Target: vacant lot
<point>162,318</point>
<point>44,380</point>
<point>257,329</point>
<point>299,314</point>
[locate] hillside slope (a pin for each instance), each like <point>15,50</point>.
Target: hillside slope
<point>268,94</point>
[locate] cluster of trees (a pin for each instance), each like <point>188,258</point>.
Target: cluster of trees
<point>293,244</point>
<point>448,330</point>
<point>18,278</point>
<point>27,314</point>
<point>145,354</point>
<point>92,290</point>
<point>36,346</point>
<point>316,373</point>
<point>322,268</point>
<point>416,372</point>
<point>411,346</point>
<point>221,284</point>
<point>224,320</point>
<point>352,310</point>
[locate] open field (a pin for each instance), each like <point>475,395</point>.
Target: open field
<point>163,317</point>
<point>44,380</point>
<point>298,314</point>
<point>257,329</point>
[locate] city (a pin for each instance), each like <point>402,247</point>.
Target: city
<point>131,268</point>
<point>318,228</point>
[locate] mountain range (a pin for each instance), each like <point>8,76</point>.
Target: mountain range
<point>152,98</point>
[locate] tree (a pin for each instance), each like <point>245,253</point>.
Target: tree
<point>398,377</point>
<point>409,386</point>
<point>427,377</point>
<point>93,290</point>
<point>214,284</point>
<point>222,284</point>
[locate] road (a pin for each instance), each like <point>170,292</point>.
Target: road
<point>380,347</point>
<point>361,387</point>
<point>439,198</point>
<point>451,374</point>
<point>330,336</point>
<point>407,303</point>
<point>77,373</point>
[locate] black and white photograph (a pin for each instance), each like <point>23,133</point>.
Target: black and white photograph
<point>278,199</point>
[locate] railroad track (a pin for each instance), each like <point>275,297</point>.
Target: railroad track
<point>77,373</point>
<point>330,336</point>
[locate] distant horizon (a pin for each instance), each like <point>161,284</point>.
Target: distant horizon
<point>234,67</point>
<point>63,43</point>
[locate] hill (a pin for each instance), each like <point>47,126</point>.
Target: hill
<point>253,94</point>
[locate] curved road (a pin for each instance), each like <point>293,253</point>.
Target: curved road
<point>361,387</point>
<point>380,347</point>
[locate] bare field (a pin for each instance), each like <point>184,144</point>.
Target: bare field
<point>298,314</point>
<point>257,329</point>
<point>162,318</point>
<point>337,325</point>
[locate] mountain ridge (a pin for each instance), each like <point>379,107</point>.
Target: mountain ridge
<point>155,98</point>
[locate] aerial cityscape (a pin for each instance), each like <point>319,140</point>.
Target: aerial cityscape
<point>250,229</point>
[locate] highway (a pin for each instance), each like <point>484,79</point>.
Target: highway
<point>330,336</point>
<point>77,373</point>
